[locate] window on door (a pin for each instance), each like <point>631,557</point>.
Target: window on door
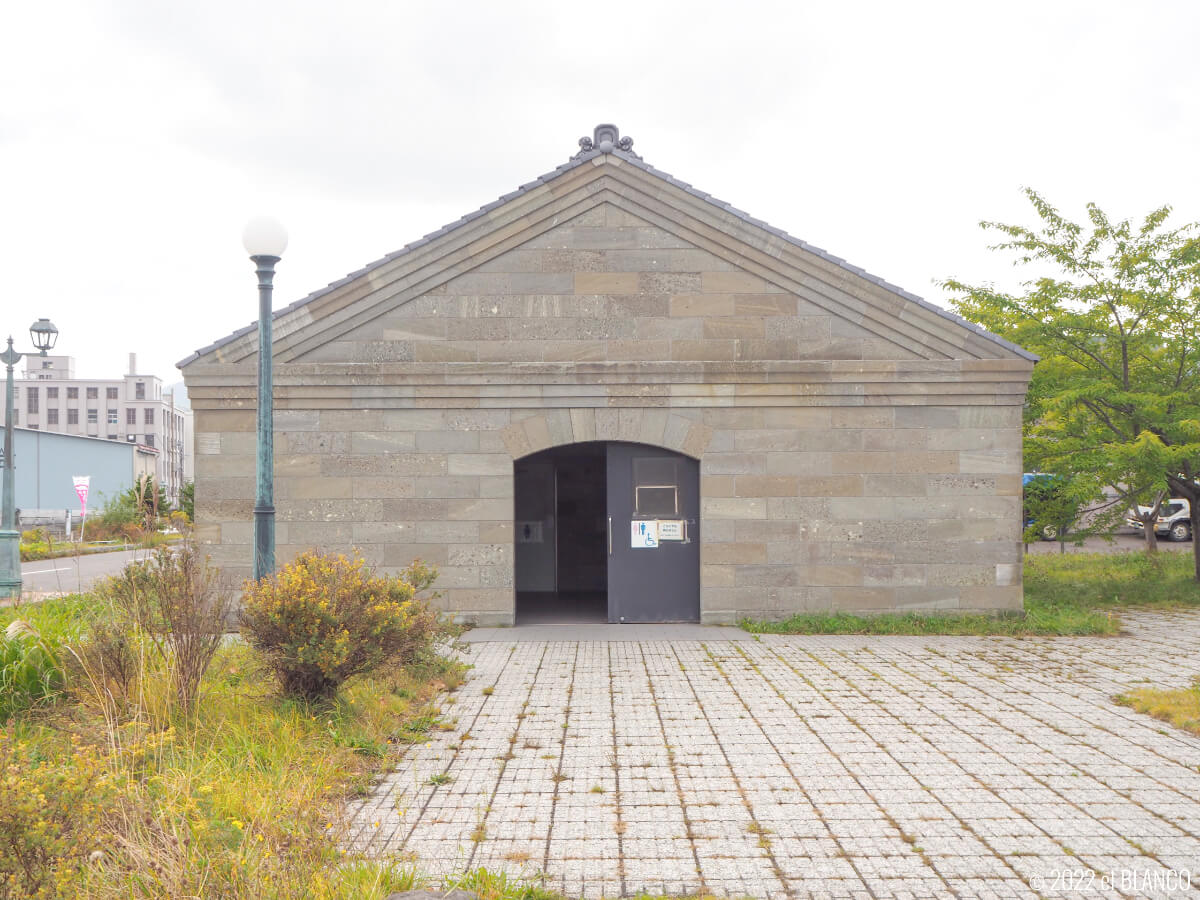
<point>655,487</point>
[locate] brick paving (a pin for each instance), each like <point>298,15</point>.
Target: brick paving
<point>809,766</point>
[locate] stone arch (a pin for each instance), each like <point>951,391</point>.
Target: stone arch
<point>656,426</point>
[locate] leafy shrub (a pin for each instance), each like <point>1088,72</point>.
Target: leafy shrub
<point>30,670</point>
<point>323,619</point>
<point>51,814</point>
<point>175,603</point>
<point>104,670</point>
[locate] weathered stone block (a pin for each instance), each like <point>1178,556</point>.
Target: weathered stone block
<point>705,305</point>
<point>766,486</point>
<point>313,488</point>
<point>733,508</point>
<point>381,441</point>
<point>733,554</point>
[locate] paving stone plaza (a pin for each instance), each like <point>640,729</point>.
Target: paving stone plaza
<point>809,766</point>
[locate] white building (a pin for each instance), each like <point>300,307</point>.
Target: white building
<point>134,409</point>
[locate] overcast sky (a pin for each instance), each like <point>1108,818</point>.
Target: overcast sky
<point>137,138</point>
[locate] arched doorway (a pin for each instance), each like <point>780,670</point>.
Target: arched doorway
<point>607,531</point>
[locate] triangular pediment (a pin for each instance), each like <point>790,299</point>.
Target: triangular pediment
<point>603,261</point>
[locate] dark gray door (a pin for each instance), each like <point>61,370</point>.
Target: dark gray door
<point>654,535</point>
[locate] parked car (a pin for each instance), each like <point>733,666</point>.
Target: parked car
<point>1174,519</point>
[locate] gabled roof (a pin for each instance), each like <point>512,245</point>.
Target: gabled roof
<point>607,142</point>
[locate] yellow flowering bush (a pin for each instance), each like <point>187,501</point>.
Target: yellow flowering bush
<point>52,813</point>
<point>322,619</point>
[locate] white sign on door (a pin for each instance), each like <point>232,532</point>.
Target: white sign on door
<point>643,534</point>
<point>670,530</point>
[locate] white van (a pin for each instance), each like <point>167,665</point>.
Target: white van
<point>1174,519</point>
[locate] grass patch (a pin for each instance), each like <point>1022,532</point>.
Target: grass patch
<point>1180,707</point>
<point>1068,594</point>
<point>1112,580</point>
<point>39,550</point>
<point>243,797</point>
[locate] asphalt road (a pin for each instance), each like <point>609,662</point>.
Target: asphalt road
<point>1121,543</point>
<point>69,574</point>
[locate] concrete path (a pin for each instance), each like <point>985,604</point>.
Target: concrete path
<point>604,632</point>
<point>809,766</point>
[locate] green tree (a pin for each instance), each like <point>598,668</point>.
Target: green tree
<point>148,498</point>
<point>187,500</point>
<point>1114,313</point>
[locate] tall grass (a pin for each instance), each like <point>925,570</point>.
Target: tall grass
<point>31,652</point>
<point>30,672</point>
<point>243,795</point>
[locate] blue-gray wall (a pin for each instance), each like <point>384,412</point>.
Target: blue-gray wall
<point>46,463</point>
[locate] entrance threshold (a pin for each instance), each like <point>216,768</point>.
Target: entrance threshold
<point>681,631</point>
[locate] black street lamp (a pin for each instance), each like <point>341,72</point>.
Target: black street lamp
<point>265,240</point>
<point>44,334</point>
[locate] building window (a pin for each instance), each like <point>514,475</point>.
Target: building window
<point>112,437</point>
<point>149,416</point>
<point>93,393</point>
<point>52,415</point>
<point>47,364</point>
<point>31,400</point>
<point>112,417</point>
<point>139,390</point>
<point>130,415</point>
<point>111,393</point>
<point>51,393</point>
<point>149,440</point>
<point>73,393</point>
<point>72,417</point>
<point>93,416</point>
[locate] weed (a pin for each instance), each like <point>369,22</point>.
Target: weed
<point>1179,706</point>
<point>439,779</point>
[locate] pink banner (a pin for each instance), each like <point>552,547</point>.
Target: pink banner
<point>82,482</point>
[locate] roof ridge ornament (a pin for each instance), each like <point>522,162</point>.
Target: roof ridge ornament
<point>605,138</point>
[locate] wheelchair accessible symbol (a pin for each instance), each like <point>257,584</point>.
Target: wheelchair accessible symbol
<point>643,534</point>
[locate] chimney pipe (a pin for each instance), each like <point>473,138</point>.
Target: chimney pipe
<point>132,363</point>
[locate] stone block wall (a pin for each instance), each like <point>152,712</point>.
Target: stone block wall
<point>803,508</point>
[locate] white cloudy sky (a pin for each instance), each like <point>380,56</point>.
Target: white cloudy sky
<point>136,138</point>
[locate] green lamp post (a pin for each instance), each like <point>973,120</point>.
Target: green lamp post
<point>265,240</point>
<point>44,334</point>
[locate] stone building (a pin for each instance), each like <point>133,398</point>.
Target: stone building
<point>608,395</point>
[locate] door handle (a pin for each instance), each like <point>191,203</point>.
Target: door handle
<point>610,535</point>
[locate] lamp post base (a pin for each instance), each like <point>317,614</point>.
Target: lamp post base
<point>10,564</point>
